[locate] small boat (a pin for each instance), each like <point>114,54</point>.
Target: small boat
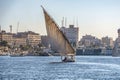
<point>67,59</point>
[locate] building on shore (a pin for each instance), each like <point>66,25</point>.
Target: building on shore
<point>33,39</point>
<point>72,34</point>
<point>21,38</point>
<point>4,36</point>
<point>90,45</point>
<point>107,42</point>
<point>116,49</point>
<point>19,41</point>
<point>89,41</point>
<point>27,38</point>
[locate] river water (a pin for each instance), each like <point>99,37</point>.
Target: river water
<point>51,68</point>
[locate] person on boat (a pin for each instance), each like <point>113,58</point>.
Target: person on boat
<point>65,59</point>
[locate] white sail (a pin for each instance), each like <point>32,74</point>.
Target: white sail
<point>58,40</point>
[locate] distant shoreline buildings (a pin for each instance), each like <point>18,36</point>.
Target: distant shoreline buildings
<point>88,44</point>
<point>21,43</point>
<point>20,38</point>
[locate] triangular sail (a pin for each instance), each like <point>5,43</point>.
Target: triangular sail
<point>58,40</point>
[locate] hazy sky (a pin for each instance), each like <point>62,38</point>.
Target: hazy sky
<point>96,17</point>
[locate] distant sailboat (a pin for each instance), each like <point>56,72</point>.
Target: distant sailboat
<point>58,40</point>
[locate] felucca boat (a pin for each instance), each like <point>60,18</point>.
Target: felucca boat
<point>58,40</point>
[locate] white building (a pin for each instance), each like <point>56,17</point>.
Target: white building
<point>72,34</point>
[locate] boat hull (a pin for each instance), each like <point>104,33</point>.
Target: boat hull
<point>68,59</point>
